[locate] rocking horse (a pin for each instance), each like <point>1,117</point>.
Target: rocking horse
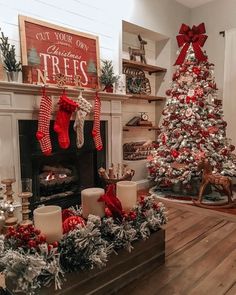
<point>223,185</point>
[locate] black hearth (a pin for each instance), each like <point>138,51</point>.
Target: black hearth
<point>59,178</point>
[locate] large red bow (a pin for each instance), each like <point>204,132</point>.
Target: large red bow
<point>196,37</point>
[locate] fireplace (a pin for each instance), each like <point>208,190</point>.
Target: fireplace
<point>59,178</point>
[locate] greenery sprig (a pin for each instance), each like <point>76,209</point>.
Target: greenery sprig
<point>107,77</point>
<point>9,55</point>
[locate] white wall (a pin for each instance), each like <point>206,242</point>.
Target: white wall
<point>218,16</point>
<point>99,17</point>
<point>102,18</point>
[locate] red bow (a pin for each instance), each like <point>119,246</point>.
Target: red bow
<point>196,37</point>
<point>112,202</point>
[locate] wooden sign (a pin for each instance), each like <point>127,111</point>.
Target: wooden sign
<point>56,50</point>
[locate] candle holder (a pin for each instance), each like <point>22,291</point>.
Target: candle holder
<point>7,174</point>
<point>25,208</point>
<point>116,174</point>
<point>26,188</point>
<point>11,220</point>
<point>9,192</point>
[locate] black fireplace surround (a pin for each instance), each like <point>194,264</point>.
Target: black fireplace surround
<point>59,178</point>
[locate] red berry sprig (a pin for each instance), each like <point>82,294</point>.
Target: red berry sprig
<point>26,237</point>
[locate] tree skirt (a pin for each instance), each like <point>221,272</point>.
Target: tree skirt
<point>180,197</point>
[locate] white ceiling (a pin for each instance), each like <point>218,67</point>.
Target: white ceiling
<point>193,3</point>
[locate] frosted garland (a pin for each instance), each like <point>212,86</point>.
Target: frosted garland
<point>84,247</point>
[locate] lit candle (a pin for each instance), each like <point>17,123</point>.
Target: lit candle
<point>90,204</point>
<point>48,219</point>
<point>126,192</point>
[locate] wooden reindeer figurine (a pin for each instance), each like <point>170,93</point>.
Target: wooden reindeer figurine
<point>133,52</point>
<point>222,183</point>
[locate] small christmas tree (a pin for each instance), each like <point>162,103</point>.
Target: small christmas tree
<point>193,127</point>
<point>9,55</point>
<point>107,77</point>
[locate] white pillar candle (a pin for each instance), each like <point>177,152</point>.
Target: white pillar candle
<point>90,204</point>
<point>49,220</point>
<point>126,192</point>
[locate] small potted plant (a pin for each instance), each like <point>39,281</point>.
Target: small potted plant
<point>108,77</point>
<point>11,65</point>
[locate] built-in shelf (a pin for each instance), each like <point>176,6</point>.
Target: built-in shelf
<point>145,67</point>
<point>33,89</point>
<point>149,128</point>
<point>150,98</point>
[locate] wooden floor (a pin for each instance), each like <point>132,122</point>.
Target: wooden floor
<point>200,255</point>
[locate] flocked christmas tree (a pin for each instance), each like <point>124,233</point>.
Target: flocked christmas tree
<point>193,127</point>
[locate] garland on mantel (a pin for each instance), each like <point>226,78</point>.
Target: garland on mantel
<point>30,263</point>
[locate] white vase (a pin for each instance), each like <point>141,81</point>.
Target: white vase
<point>12,76</point>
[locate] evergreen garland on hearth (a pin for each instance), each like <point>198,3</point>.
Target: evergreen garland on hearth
<point>30,263</point>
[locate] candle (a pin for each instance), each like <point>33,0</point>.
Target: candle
<point>90,204</point>
<point>126,192</point>
<point>49,220</point>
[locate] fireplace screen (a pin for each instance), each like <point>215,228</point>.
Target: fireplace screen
<point>59,178</point>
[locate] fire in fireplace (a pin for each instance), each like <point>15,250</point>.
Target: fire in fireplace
<point>59,178</point>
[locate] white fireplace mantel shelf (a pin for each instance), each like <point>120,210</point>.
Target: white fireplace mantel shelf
<point>32,89</point>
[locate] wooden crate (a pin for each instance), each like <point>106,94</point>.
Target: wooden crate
<point>121,269</point>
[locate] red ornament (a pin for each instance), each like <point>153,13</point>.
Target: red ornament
<point>163,138</point>
<point>232,147</point>
<point>175,153</point>
<point>168,92</point>
<point>188,99</point>
<point>205,133</point>
<point>212,129</point>
<point>66,213</point>
<point>196,70</point>
<point>224,152</point>
<point>155,206</point>
<point>71,222</point>
<point>201,104</point>
<point>199,92</point>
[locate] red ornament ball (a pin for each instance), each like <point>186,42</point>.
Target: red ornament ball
<point>168,92</point>
<point>196,70</point>
<point>71,222</point>
<point>66,213</point>
<point>201,104</point>
<point>232,147</point>
<point>175,153</point>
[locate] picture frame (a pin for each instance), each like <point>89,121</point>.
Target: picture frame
<point>53,50</point>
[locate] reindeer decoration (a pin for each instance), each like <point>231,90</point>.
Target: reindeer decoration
<point>222,183</point>
<point>133,52</point>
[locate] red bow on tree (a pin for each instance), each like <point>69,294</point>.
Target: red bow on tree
<point>194,36</point>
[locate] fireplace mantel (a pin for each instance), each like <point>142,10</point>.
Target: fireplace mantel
<point>21,102</point>
<point>32,89</point>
